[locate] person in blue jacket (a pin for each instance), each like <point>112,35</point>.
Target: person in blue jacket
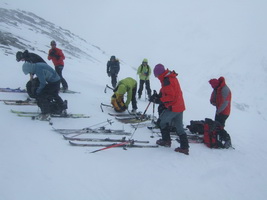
<point>47,92</point>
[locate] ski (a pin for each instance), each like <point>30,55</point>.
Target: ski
<point>16,90</point>
<point>125,114</point>
<point>37,116</point>
<point>122,144</point>
<point>67,91</point>
<point>21,103</point>
<point>196,140</point>
<point>132,120</point>
<point>102,140</point>
<point>100,130</point>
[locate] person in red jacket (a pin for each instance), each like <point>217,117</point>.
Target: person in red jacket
<point>221,98</point>
<point>171,96</point>
<point>56,55</point>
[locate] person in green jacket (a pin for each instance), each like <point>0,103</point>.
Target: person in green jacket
<point>144,72</point>
<point>127,85</point>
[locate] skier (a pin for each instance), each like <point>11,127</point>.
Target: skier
<point>56,55</point>
<point>221,98</point>
<point>144,72</point>
<point>113,68</point>
<point>129,86</point>
<point>171,97</point>
<point>47,93</point>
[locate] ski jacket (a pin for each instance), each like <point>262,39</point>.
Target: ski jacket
<point>144,72</point>
<point>43,71</point>
<point>171,93</point>
<point>32,57</point>
<point>57,56</point>
<point>126,85</point>
<point>221,98</point>
<point>113,67</point>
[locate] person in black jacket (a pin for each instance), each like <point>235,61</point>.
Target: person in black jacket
<point>33,83</point>
<point>113,68</point>
<point>29,57</point>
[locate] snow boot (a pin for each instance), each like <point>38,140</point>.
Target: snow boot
<point>184,147</point>
<point>163,143</point>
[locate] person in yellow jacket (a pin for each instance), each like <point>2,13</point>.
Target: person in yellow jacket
<point>144,72</point>
<point>127,85</point>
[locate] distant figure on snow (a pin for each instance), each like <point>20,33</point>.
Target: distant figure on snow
<point>113,68</point>
<point>144,72</point>
<point>56,55</point>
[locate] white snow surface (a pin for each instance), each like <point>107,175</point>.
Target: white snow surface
<point>199,40</point>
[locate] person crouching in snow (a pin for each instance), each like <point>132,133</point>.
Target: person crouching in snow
<point>47,92</point>
<point>129,86</point>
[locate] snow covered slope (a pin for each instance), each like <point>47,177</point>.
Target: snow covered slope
<point>217,39</point>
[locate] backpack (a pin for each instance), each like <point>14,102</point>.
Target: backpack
<point>31,87</point>
<point>214,135</point>
<point>118,103</point>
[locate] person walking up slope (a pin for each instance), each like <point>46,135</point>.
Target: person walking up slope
<point>144,72</point>
<point>56,55</point>
<point>113,68</point>
<point>172,116</point>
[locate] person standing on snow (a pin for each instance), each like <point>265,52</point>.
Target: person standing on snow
<point>47,92</point>
<point>171,97</point>
<point>221,98</point>
<point>129,86</point>
<point>144,72</point>
<point>113,68</point>
<point>56,55</point>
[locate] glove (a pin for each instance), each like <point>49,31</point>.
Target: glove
<point>155,97</point>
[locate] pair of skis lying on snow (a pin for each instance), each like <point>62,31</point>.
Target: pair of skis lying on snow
<point>71,135</point>
<point>35,115</point>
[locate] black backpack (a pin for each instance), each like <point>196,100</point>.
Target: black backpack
<point>213,132</point>
<point>31,87</point>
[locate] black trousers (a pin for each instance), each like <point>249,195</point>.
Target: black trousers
<point>59,70</point>
<point>221,118</point>
<point>49,95</point>
<point>141,86</point>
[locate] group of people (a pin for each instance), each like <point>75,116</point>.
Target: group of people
<point>46,86</point>
<point>170,100</point>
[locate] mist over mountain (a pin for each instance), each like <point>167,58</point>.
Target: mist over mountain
<point>15,25</point>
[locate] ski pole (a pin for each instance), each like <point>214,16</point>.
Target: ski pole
<point>102,104</point>
<point>111,146</point>
<point>107,86</point>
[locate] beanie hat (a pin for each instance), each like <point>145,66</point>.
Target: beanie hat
<point>145,60</point>
<point>19,56</point>
<point>53,42</point>
<point>214,83</point>
<point>158,70</point>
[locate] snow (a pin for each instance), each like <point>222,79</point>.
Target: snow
<point>199,40</point>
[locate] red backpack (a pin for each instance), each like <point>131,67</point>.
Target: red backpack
<point>212,134</point>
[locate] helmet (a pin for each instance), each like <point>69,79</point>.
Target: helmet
<point>19,56</point>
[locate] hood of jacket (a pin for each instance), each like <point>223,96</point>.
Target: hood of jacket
<point>29,68</point>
